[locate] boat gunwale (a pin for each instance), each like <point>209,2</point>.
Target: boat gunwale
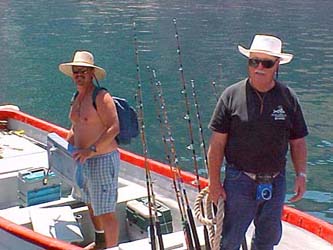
<point>291,215</point>
<point>34,237</point>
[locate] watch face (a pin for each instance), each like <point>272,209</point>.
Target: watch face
<point>93,148</point>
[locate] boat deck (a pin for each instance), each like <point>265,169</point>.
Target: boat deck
<point>293,238</point>
<point>19,154</point>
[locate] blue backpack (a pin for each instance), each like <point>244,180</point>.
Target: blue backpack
<point>127,116</point>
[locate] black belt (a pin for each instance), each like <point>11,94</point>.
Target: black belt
<point>262,177</point>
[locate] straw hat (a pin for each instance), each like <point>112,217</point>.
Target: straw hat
<point>269,45</point>
<point>83,59</point>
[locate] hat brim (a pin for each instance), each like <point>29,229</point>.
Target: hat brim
<point>66,68</point>
<point>284,57</point>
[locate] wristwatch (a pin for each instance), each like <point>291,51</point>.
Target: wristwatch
<point>302,174</point>
<point>93,148</point>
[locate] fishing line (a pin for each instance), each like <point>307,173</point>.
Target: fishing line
<point>174,167</point>
<point>153,219</point>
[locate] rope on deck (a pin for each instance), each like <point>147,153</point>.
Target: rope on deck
<point>210,220</point>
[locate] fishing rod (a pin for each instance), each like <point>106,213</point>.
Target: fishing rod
<point>191,146</point>
<point>160,105</point>
<point>201,134</point>
<point>157,93</point>
<point>220,73</point>
<point>174,166</point>
<point>153,219</point>
<point>220,80</point>
<point>214,90</point>
<point>154,88</point>
<point>204,153</point>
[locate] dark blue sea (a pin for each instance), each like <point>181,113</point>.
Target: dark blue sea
<point>35,36</point>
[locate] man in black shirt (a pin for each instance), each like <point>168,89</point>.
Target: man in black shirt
<point>254,122</point>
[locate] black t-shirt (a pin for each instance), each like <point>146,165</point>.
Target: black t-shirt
<point>259,126</point>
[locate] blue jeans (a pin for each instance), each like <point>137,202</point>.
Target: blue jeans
<point>241,207</point>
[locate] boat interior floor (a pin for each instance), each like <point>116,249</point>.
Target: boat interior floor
<point>17,154</point>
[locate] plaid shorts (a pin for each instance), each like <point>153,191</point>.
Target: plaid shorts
<point>100,183</point>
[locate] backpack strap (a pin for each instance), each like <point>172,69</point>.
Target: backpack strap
<point>75,94</point>
<point>95,93</point>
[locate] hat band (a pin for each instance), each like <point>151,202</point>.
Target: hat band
<point>83,62</point>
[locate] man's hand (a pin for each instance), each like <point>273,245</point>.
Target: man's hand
<point>81,155</point>
<point>215,192</point>
<point>299,189</point>
<point>298,153</point>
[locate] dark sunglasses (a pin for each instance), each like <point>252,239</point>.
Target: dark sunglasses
<point>266,63</point>
<point>80,71</point>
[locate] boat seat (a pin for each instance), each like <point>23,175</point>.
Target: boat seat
<point>56,222</point>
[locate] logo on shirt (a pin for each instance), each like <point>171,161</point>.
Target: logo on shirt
<point>279,113</point>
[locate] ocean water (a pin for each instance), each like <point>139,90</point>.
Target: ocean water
<point>35,36</point>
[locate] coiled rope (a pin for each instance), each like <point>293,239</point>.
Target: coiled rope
<point>210,220</point>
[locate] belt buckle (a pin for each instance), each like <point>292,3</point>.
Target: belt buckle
<point>262,178</point>
<point>266,178</point>
<point>250,175</point>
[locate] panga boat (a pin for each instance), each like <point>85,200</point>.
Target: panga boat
<point>37,210</point>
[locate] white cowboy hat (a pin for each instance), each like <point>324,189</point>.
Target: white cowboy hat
<point>269,45</point>
<point>83,59</point>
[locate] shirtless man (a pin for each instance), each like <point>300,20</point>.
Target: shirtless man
<point>92,134</point>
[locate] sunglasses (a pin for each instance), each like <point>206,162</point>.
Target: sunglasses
<point>266,63</point>
<point>80,71</point>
